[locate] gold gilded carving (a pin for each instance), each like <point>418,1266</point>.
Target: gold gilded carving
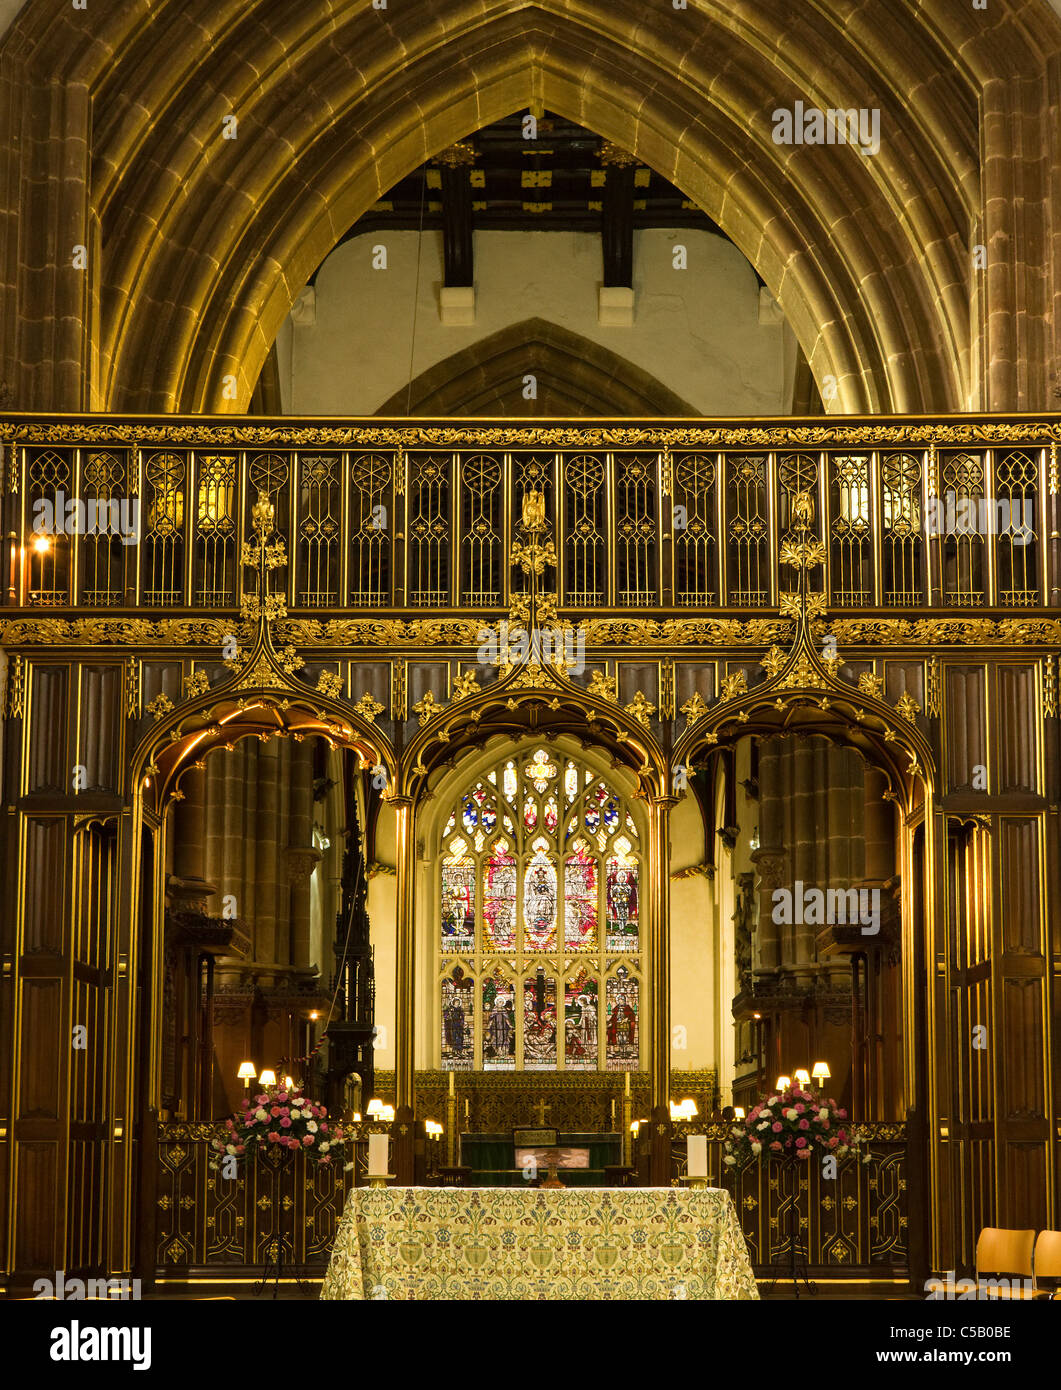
<point>802,554</point>
<point>908,706</point>
<point>1050,686</point>
<point>604,687</point>
<point>198,683</point>
<point>934,683</point>
<point>15,690</point>
<point>666,703</point>
<point>736,684</point>
<point>132,688</point>
<point>694,708</point>
<point>159,707</point>
<point>330,683</point>
<point>641,708</point>
<point>466,684</point>
<point>870,684</point>
<point>427,708</point>
<point>804,675</point>
<point>773,662</point>
<point>368,708</point>
<point>833,434</point>
<point>399,692</point>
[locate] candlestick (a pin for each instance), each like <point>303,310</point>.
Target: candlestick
<point>626,1089</point>
<point>613,1112</point>
<point>452,1085</point>
<point>466,1108</point>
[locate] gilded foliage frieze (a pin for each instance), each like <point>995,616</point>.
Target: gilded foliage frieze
<point>707,633</point>
<point>766,435</point>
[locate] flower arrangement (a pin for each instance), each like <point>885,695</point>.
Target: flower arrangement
<point>791,1124</point>
<point>285,1119</point>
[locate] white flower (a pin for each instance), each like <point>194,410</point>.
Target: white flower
<point>312,1126</point>
<point>348,1167</point>
<point>230,1148</point>
<point>764,1125</point>
<point>324,1146</point>
<point>823,1113</point>
<point>296,1114</point>
<point>729,1159</point>
<point>757,1148</point>
<point>791,1114</point>
<point>260,1114</point>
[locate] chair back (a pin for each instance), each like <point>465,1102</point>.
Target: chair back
<point>1048,1255</point>
<point>1001,1251</point>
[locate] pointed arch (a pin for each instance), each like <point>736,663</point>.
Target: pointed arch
<point>574,377</point>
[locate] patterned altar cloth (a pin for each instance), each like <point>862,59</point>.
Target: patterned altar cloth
<point>579,1243</point>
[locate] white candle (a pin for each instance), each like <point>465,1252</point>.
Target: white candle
<point>696,1152</point>
<point>378,1155</point>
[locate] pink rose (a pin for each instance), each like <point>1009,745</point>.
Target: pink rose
<point>825,1124</point>
<point>229,1124</point>
<point>307,1140</point>
<point>325,1158</point>
<point>281,1095</point>
<point>285,1110</point>
<point>274,1110</point>
<point>775,1145</point>
<point>240,1148</point>
<point>324,1110</point>
<point>801,1143</point>
<point>244,1104</point>
<point>843,1137</point>
<point>776,1126</point>
<point>803,1153</point>
<point>800,1108</point>
<point>833,1142</point>
<point>324,1129</point>
<point>272,1136</point>
<point>804,1124</point>
<point>285,1123</point>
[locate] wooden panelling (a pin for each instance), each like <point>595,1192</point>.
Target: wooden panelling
<point>37,1238</point>
<point>965,707</point>
<point>99,727</point>
<point>1020,927</point>
<point>48,767</point>
<point>45,895</point>
<point>1018,728</point>
<point>43,1052</point>
<point>1021,1044</point>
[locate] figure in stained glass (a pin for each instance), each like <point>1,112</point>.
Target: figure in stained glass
<point>580,899</point>
<point>499,899</point>
<point>580,1023</point>
<point>539,901</point>
<point>457,1038</point>
<point>499,1024</point>
<point>621,1039</point>
<point>539,1022</point>
<point>620,896</point>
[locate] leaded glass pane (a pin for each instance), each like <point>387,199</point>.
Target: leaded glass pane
<point>458,1037</point>
<point>621,1042</point>
<point>499,1023</point>
<point>580,899</point>
<point>539,1022</point>
<point>499,899</point>
<point>621,898</point>
<point>580,1022</point>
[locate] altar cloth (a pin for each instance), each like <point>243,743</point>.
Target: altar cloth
<point>514,1243</point>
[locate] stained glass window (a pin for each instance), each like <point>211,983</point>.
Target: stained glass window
<point>580,899</point>
<point>581,1044</point>
<point>540,877</point>
<point>499,899</point>
<point>458,1036</point>
<point>458,900</point>
<point>539,1022</point>
<point>620,897</point>
<point>621,1042</point>
<point>499,1023</point>
<point>539,900</point>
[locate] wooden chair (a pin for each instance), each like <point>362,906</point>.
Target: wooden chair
<point>1008,1254</point>
<point>1048,1264</point>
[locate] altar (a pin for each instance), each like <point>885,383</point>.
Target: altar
<point>520,1243</point>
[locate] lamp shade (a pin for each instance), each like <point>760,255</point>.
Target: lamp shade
<point>375,1107</point>
<point>803,1076</point>
<point>689,1109</point>
<point>267,1078</point>
<point>738,1112</point>
<point>247,1071</point>
<point>784,1082</point>
<point>821,1071</point>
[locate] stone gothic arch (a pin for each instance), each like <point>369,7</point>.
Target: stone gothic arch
<point>198,244</point>
<point>574,377</point>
